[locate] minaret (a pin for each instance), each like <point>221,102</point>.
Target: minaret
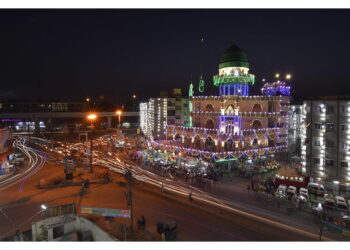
<point>190,94</point>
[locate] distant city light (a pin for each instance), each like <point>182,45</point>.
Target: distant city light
<point>277,75</point>
<point>88,99</point>
<point>288,76</point>
<point>134,96</point>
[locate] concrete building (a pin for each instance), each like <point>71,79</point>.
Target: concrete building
<point>326,139</point>
<point>294,130</point>
<point>234,124</point>
<point>158,112</point>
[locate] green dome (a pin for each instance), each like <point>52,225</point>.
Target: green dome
<point>234,57</point>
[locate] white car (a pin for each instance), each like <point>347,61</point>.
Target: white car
<point>291,191</point>
<point>341,204</point>
<point>303,194</point>
<point>281,190</point>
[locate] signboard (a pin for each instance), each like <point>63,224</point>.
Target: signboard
<point>106,212</point>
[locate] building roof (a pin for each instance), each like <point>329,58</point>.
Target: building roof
<point>234,57</point>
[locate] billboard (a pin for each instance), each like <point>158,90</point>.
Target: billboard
<point>106,212</point>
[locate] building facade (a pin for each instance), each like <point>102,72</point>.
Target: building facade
<point>294,130</point>
<point>326,139</point>
<point>234,124</point>
<point>158,112</point>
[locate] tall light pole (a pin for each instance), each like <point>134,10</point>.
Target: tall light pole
<point>119,113</point>
<point>92,118</point>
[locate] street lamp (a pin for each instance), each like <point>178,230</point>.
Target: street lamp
<point>134,96</point>
<point>277,75</point>
<point>92,118</point>
<point>288,76</point>
<point>119,113</point>
<point>44,207</point>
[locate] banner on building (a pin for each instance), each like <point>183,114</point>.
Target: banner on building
<point>106,212</point>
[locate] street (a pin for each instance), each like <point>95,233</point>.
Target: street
<point>206,218</point>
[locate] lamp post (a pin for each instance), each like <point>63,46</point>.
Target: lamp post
<point>119,113</point>
<point>92,118</point>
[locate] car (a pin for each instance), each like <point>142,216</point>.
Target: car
<point>329,202</point>
<point>304,192</point>
<point>341,204</point>
<point>316,189</point>
<point>291,192</point>
<point>281,190</point>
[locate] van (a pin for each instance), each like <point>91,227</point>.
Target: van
<point>281,190</point>
<point>304,192</point>
<point>316,189</point>
<point>341,204</point>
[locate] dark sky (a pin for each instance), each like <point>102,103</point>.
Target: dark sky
<point>72,54</point>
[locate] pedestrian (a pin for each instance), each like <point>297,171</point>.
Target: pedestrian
<point>139,224</point>
<point>190,196</point>
<point>143,223</point>
<point>248,189</point>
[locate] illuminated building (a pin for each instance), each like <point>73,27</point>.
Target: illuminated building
<point>158,112</point>
<point>326,138</point>
<point>233,125</point>
<point>294,130</point>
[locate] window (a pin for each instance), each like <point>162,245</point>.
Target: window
<point>171,112</point>
<point>330,109</point>
<point>318,126</point>
<point>344,145</point>
<point>344,127</point>
<point>317,161</point>
<point>344,108</point>
<point>58,231</point>
<point>329,144</point>
<point>344,164</point>
<point>329,163</point>
<point>318,109</point>
<point>330,127</point>
<point>317,143</point>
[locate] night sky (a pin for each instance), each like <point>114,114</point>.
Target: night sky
<point>73,54</point>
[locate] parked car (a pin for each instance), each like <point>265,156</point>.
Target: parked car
<point>329,202</point>
<point>291,192</point>
<point>341,204</point>
<point>281,190</point>
<point>304,192</point>
<point>316,188</point>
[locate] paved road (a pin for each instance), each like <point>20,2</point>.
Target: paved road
<point>206,218</point>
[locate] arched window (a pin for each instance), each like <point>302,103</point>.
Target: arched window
<point>178,137</point>
<point>197,141</point>
<point>209,108</point>
<point>209,124</point>
<point>257,107</point>
<point>187,140</point>
<point>229,144</point>
<point>209,144</point>
<point>256,124</point>
<point>230,109</point>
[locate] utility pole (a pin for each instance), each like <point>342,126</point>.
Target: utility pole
<point>128,195</point>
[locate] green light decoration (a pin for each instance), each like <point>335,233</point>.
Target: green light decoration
<point>190,91</point>
<point>227,79</point>
<point>201,85</point>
